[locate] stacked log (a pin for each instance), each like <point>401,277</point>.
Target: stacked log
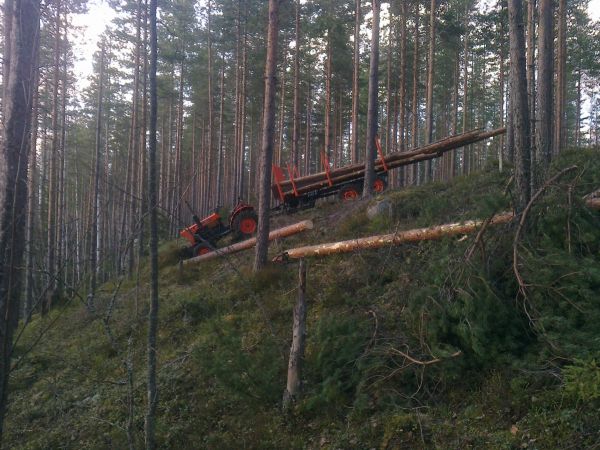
<point>319,180</point>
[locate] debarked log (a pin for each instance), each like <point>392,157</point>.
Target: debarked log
<point>249,243</point>
<point>384,240</point>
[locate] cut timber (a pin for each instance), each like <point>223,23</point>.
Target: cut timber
<point>244,245</point>
<point>384,240</point>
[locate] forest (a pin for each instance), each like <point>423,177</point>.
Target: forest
<point>191,107</point>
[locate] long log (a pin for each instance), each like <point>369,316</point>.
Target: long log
<point>348,173</point>
<point>384,240</point>
<point>249,243</point>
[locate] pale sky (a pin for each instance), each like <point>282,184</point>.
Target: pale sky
<point>93,25</point>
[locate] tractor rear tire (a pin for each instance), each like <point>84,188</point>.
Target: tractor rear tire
<point>201,249</point>
<point>379,185</point>
<point>350,192</point>
<point>245,224</point>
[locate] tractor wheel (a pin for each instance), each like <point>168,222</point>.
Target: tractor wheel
<point>201,249</point>
<point>379,185</point>
<point>350,192</point>
<point>245,224</point>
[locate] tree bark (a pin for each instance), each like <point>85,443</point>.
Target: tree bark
<point>414,131</point>
<point>520,107</point>
<point>220,142</point>
<point>545,79</point>
<point>31,187</point>
<point>327,119</point>
<point>561,78</point>
<point>373,104</point>
<point>465,110</point>
<point>402,88</point>
<point>355,86</point>
<point>14,151</point>
<point>95,197</point>
<point>296,100</point>
<point>530,57</point>
<point>152,391</point>
<point>429,95</point>
<point>53,176</point>
<point>266,156</point>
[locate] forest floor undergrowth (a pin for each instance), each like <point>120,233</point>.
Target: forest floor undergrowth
<point>427,345</point>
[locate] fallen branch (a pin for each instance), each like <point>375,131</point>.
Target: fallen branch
<point>373,242</point>
<point>424,363</point>
<point>245,245</point>
<point>522,223</point>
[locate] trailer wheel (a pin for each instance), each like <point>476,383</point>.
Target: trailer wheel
<point>245,224</point>
<point>350,192</point>
<point>379,185</point>
<point>201,249</point>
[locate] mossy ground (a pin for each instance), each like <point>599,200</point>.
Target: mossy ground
<point>514,372</point>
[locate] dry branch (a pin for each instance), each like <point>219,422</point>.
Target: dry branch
<point>372,242</point>
<point>244,245</point>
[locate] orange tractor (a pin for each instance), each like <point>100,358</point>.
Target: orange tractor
<point>204,234</point>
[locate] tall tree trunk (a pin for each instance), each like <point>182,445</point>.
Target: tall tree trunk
<point>429,96</point>
<point>296,100</point>
<point>373,105</point>
<point>519,102</point>
<point>281,121</point>
<point>266,155</point>
<point>308,137</point>
<point>327,119</point>
<point>152,393</point>
<point>31,185</point>
<point>95,196</point>
<point>143,139</point>
<point>209,149</point>
<point>355,86</point>
<point>502,89</point>
<point>219,193</point>
<point>53,181</point>
<point>14,151</point>
<point>545,80</point>
<point>402,99</point>
<point>454,124</point>
<point>465,111</point>
<point>530,56</point>
<point>578,110</point>
<point>242,137</point>
<point>561,78</point>
<point>414,129</point>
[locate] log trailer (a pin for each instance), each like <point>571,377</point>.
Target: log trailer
<point>293,191</point>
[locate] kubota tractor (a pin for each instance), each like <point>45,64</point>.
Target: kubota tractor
<point>204,234</point>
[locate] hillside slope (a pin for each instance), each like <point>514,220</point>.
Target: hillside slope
<point>526,377</point>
